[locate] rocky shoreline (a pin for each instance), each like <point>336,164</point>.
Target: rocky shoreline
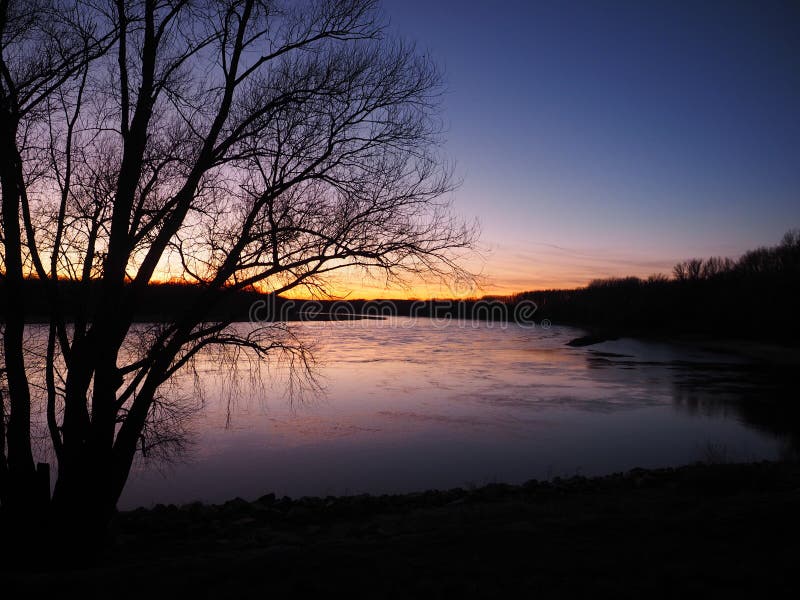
<point>724,528</point>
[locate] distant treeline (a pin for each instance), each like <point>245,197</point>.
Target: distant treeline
<point>163,302</point>
<point>756,297</point>
<point>158,302</point>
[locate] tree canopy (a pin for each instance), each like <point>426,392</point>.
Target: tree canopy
<point>228,144</point>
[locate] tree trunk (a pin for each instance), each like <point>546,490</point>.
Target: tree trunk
<point>80,512</point>
<point>3,464</point>
<point>21,481</point>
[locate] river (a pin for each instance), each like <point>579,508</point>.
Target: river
<point>413,404</point>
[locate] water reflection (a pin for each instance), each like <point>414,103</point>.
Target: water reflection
<point>415,405</point>
<point>704,384</point>
<point>761,396</point>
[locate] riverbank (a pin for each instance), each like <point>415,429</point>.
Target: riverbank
<point>759,352</point>
<point>725,529</point>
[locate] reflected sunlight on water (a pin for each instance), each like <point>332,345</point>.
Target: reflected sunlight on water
<point>410,405</point>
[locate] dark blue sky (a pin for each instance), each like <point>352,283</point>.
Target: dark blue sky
<point>600,138</point>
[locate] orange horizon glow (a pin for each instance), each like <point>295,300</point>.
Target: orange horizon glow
<point>502,270</point>
<point>507,284</point>
<point>510,275</point>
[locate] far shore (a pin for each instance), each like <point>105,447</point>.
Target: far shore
<point>766,352</point>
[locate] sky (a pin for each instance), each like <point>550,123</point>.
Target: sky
<point>603,138</point>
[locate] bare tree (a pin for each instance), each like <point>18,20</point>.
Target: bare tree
<point>688,270</point>
<point>235,143</point>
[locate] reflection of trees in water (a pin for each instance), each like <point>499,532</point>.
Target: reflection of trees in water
<point>760,396</point>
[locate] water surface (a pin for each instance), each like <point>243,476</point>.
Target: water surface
<point>412,405</point>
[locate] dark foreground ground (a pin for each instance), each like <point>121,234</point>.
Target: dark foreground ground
<point>718,530</point>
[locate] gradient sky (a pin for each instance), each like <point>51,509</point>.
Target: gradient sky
<point>611,138</point>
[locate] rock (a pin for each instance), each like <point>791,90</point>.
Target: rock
<point>591,339</point>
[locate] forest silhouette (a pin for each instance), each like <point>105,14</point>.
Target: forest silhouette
<point>753,297</point>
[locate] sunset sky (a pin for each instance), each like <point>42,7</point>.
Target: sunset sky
<point>614,138</point>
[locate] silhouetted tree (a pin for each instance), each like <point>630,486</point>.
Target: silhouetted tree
<point>689,270</point>
<point>752,297</point>
<point>235,143</point>
<point>657,278</point>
